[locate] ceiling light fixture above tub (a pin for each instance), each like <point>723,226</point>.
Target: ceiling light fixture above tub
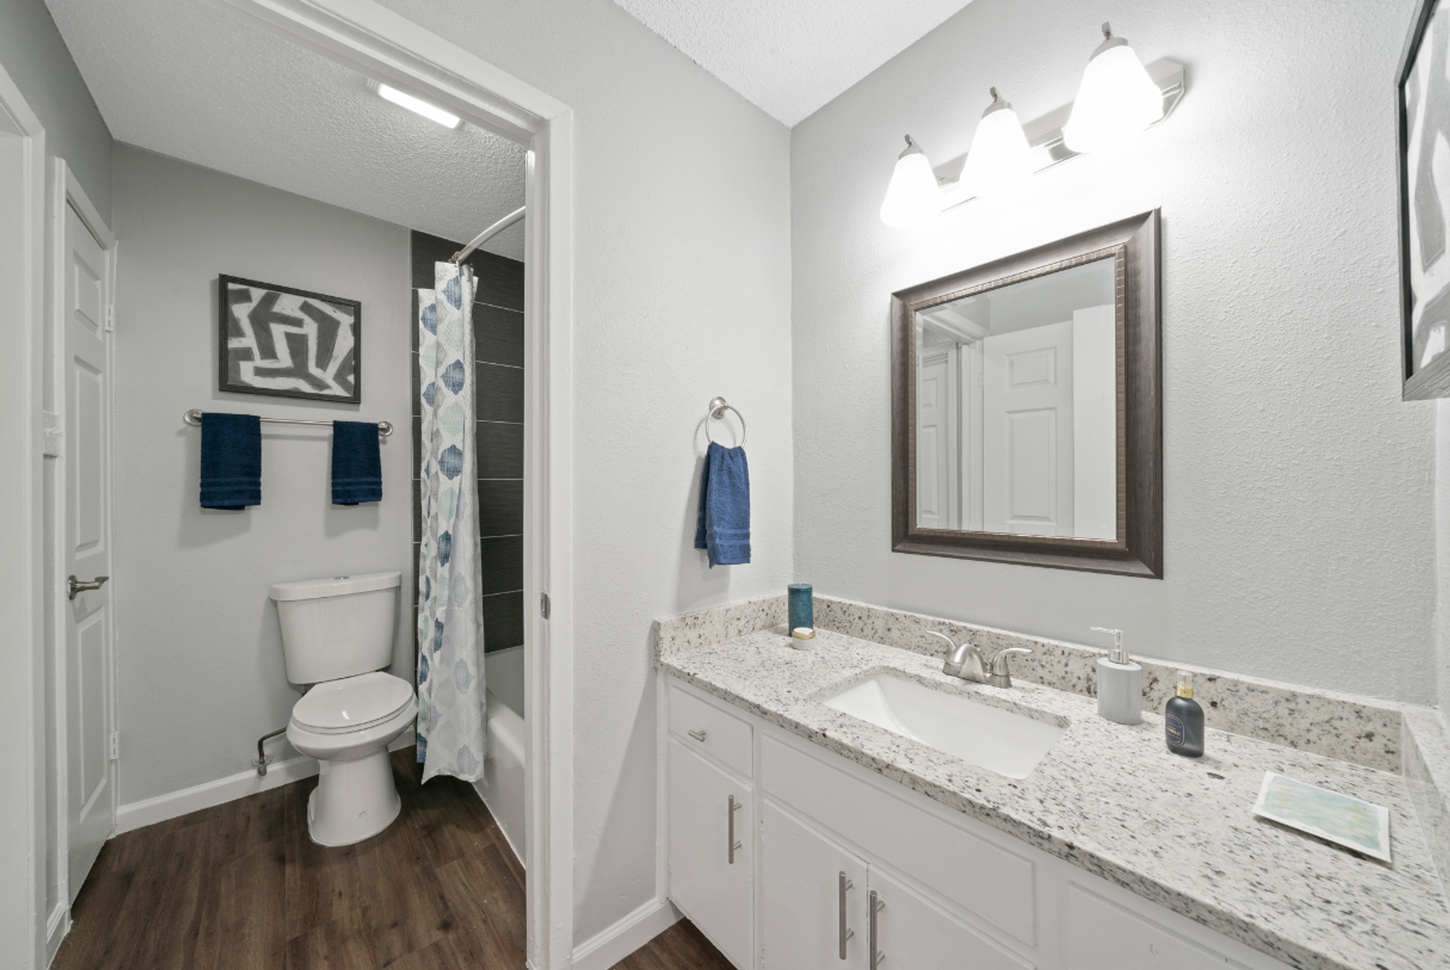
<point>416,105</point>
<point>912,198</point>
<point>1116,100</point>
<point>1000,158</point>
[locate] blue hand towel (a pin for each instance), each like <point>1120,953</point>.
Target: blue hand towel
<point>357,464</point>
<point>723,529</point>
<point>231,461</point>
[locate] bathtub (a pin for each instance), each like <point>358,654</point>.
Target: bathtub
<point>502,787</point>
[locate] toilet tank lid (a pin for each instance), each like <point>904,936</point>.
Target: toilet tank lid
<point>311,589</point>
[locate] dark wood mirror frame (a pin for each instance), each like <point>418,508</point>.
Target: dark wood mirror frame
<point>1138,548</point>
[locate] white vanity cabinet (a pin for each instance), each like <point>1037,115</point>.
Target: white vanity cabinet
<point>822,838</point>
<point>711,816</point>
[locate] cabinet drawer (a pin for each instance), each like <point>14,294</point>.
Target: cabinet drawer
<point>1101,935</point>
<point>704,727</point>
<point>981,877</point>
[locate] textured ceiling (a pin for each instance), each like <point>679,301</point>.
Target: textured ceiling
<point>187,80</point>
<point>790,57</point>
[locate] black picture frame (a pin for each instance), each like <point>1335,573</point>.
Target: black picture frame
<point>1432,378</point>
<point>319,323</point>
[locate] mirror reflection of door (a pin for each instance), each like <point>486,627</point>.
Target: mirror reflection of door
<point>1016,408</point>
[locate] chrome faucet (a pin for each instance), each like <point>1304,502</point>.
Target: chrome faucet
<point>1000,676</point>
<point>964,660</point>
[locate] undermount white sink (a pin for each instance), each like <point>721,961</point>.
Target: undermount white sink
<point>1008,743</point>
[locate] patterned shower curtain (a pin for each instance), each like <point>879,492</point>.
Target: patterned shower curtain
<point>451,715</point>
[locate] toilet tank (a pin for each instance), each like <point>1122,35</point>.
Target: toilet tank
<point>337,626</point>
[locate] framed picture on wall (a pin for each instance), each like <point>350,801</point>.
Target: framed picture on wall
<point>1423,90</point>
<point>285,342</point>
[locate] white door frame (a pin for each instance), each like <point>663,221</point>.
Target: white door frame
<point>66,192</point>
<point>387,47</point>
<point>22,659</point>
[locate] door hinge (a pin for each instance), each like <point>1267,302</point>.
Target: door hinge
<point>544,605</point>
<point>115,745</point>
<point>111,318</point>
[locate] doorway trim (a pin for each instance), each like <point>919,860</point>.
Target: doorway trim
<point>22,672</point>
<point>385,46</point>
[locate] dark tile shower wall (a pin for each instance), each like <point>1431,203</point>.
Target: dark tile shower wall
<point>498,328</point>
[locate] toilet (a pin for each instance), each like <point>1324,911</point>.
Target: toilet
<point>337,635</point>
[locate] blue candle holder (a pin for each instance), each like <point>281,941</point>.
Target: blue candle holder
<point>802,611</point>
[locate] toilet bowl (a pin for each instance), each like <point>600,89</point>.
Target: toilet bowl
<point>347,726</point>
<point>337,635</point>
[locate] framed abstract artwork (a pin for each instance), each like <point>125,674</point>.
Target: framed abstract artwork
<point>1423,94</point>
<point>285,342</point>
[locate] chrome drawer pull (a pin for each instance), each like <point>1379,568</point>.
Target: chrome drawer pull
<point>730,838</point>
<point>846,934</point>
<point>698,735</point>
<point>877,905</point>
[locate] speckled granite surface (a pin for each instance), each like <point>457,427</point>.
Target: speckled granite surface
<point>1176,831</point>
<point>1343,727</point>
<point>1427,772</point>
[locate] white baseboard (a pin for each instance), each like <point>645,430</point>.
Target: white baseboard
<point>56,927</point>
<point>175,804</point>
<point>614,943</point>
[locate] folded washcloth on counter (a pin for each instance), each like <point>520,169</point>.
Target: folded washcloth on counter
<point>357,464</point>
<point>723,529</point>
<point>231,461</point>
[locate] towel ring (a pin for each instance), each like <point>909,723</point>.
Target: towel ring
<point>718,407</point>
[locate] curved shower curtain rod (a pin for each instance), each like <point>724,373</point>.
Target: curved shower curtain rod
<point>516,216</point>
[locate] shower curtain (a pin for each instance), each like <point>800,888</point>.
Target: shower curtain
<point>451,714</point>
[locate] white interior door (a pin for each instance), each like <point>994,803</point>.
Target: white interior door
<point>90,780</point>
<point>937,488</point>
<point>1027,433</point>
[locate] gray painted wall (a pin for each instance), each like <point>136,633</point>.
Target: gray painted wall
<point>40,65</point>
<point>681,292</point>
<point>1299,488</point>
<point>199,654</point>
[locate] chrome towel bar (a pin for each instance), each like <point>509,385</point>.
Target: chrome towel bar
<point>385,428</point>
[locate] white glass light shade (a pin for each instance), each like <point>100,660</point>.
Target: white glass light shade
<point>418,106</point>
<point>1000,157</point>
<point>1117,99</point>
<point>912,198</point>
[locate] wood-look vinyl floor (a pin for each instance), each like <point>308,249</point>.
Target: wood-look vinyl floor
<point>241,886</point>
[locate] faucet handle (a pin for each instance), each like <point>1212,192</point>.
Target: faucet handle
<point>951,644</point>
<point>1001,676</point>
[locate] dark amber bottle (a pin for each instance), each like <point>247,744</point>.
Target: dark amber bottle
<point>1183,720</point>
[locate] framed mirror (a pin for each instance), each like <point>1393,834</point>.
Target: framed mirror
<point>1027,407</point>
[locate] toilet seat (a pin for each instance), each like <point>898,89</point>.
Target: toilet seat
<point>352,704</point>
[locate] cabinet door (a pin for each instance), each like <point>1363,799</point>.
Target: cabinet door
<point>710,880</point>
<point>913,934</point>
<point>809,918</point>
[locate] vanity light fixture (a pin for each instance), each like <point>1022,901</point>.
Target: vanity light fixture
<point>417,105</point>
<point>1116,100</point>
<point>1000,158</point>
<point>912,198</point>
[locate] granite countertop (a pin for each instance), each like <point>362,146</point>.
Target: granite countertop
<point>1114,801</point>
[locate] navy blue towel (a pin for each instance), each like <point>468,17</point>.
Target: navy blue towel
<point>723,529</point>
<point>357,464</point>
<point>231,461</point>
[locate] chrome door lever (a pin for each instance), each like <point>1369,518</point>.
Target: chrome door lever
<point>76,586</point>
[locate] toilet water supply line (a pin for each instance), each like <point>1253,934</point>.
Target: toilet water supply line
<point>263,759</point>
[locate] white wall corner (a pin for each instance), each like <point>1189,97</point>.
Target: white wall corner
<point>614,943</point>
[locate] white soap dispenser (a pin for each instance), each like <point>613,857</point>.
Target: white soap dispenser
<point>1120,683</point>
